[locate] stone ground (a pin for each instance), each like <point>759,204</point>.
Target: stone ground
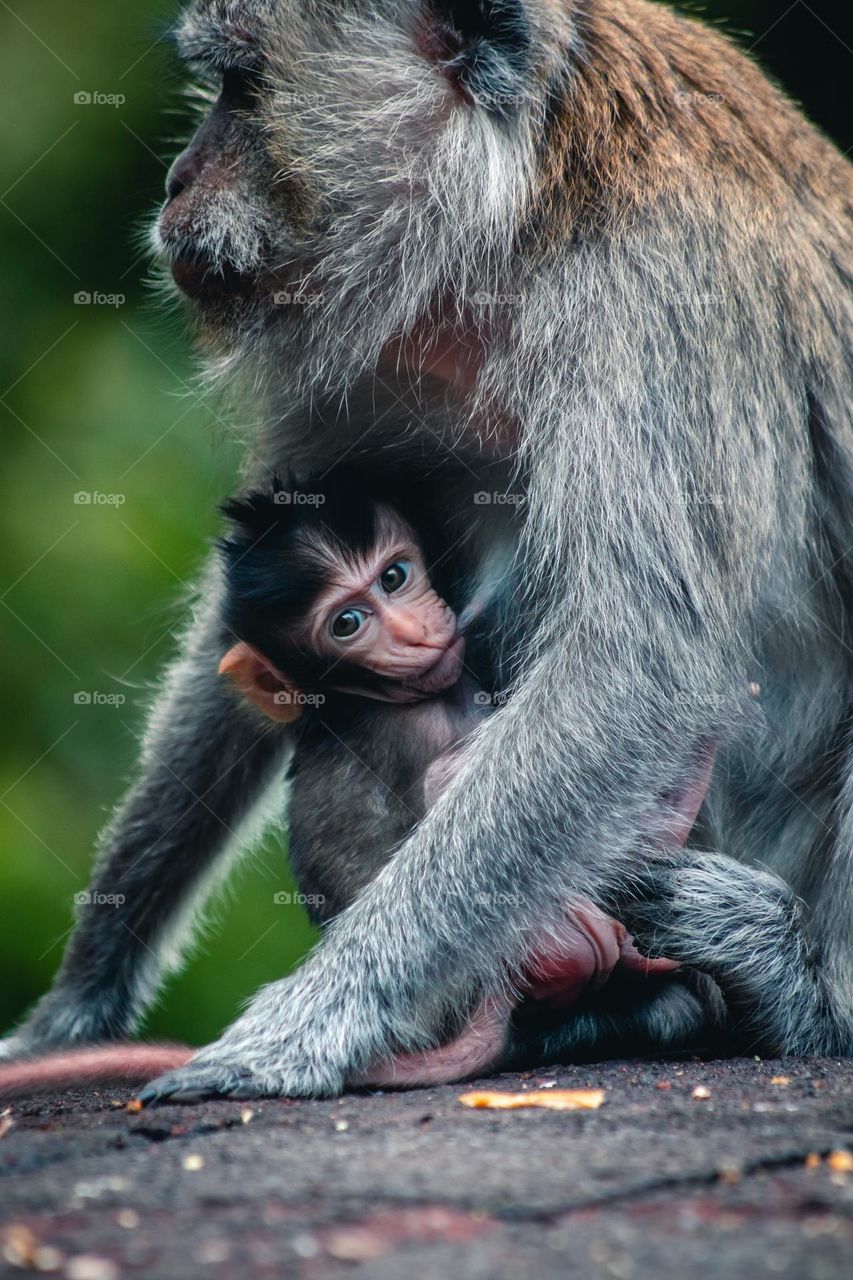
<point>747,1182</point>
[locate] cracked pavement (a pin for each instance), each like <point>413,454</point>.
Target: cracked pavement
<point>752,1181</point>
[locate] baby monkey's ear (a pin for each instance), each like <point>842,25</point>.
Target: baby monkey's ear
<point>259,681</point>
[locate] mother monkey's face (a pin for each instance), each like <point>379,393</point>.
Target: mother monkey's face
<point>357,168</point>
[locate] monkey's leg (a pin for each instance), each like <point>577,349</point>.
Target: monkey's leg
<point>744,927</point>
<point>630,1017</point>
<point>204,762</point>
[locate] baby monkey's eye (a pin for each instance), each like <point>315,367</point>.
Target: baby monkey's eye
<point>394,577</point>
<point>348,624</point>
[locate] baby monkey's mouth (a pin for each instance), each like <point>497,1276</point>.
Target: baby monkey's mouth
<point>441,674</point>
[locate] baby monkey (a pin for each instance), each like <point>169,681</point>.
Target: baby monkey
<point>332,603</point>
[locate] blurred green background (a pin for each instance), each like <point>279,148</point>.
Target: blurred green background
<point>97,399</point>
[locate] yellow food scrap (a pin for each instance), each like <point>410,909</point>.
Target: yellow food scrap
<point>840,1161</point>
<point>553,1100</point>
<point>781,1080</point>
<point>701,1093</point>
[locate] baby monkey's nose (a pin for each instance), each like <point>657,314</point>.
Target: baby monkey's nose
<point>407,626</point>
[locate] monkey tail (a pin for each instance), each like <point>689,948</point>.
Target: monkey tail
<point>102,1064</point>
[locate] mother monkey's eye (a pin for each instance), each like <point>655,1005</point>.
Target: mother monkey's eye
<point>394,577</point>
<point>348,624</point>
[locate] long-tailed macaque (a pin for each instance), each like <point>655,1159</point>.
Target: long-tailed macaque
<point>584,242</point>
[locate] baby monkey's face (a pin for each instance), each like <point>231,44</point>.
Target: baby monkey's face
<point>381,612</point>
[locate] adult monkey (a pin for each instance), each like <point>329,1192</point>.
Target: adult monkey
<point>667,363</point>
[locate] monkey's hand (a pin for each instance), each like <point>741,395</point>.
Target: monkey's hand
<point>57,1023</point>
<point>12,1048</point>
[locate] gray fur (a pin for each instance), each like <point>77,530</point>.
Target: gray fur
<point>675,365</point>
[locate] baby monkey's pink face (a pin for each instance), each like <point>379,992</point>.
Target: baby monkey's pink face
<point>381,612</point>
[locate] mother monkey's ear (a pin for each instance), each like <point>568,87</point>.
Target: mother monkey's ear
<point>482,46</point>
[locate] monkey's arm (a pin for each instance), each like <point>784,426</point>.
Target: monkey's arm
<point>205,761</point>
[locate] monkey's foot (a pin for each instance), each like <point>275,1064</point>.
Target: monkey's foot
<point>247,1074</point>
<point>198,1081</point>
